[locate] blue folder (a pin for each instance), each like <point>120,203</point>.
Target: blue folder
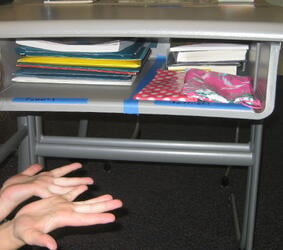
<point>68,74</point>
<point>136,51</point>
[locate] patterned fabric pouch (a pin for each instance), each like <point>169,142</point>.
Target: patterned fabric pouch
<point>219,87</point>
<point>167,85</point>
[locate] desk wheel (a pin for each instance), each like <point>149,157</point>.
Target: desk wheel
<point>107,166</point>
<point>225,181</point>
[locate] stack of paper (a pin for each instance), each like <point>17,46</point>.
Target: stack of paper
<point>219,57</point>
<point>84,62</point>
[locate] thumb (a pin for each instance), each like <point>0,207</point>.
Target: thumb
<point>32,170</point>
<point>38,238</point>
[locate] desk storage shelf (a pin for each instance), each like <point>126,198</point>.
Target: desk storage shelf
<point>41,21</point>
<point>261,66</point>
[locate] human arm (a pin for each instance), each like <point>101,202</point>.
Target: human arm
<point>34,221</point>
<point>7,238</point>
<point>32,182</point>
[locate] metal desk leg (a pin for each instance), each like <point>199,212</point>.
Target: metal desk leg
<point>11,145</point>
<point>23,152</point>
<point>252,187</point>
<point>26,153</point>
<point>254,184</point>
<point>38,134</point>
<point>83,126</point>
<point>243,239</point>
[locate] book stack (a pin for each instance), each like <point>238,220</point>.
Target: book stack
<point>218,57</point>
<point>100,62</point>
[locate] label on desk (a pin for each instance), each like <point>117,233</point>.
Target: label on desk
<point>50,100</point>
<point>203,105</point>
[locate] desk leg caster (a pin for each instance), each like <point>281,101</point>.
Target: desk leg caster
<point>107,166</point>
<point>225,181</point>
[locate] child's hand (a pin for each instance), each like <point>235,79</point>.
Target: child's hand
<point>32,183</point>
<point>34,221</point>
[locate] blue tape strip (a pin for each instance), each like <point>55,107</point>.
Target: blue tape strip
<point>166,5</point>
<point>206,105</point>
<point>131,106</point>
<point>50,100</point>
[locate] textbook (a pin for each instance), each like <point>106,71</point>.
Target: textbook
<point>208,56</point>
<point>236,1</point>
<point>77,46</point>
<point>207,52</point>
<point>210,46</point>
<point>228,69</point>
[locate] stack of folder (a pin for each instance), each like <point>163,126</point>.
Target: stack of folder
<point>101,63</point>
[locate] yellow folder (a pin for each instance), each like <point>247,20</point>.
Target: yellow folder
<point>75,61</point>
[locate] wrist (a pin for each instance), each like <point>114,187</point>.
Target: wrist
<point>11,197</point>
<point>7,237</point>
<point>3,210</point>
<point>5,207</point>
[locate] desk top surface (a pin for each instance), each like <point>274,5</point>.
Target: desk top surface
<point>32,18</point>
